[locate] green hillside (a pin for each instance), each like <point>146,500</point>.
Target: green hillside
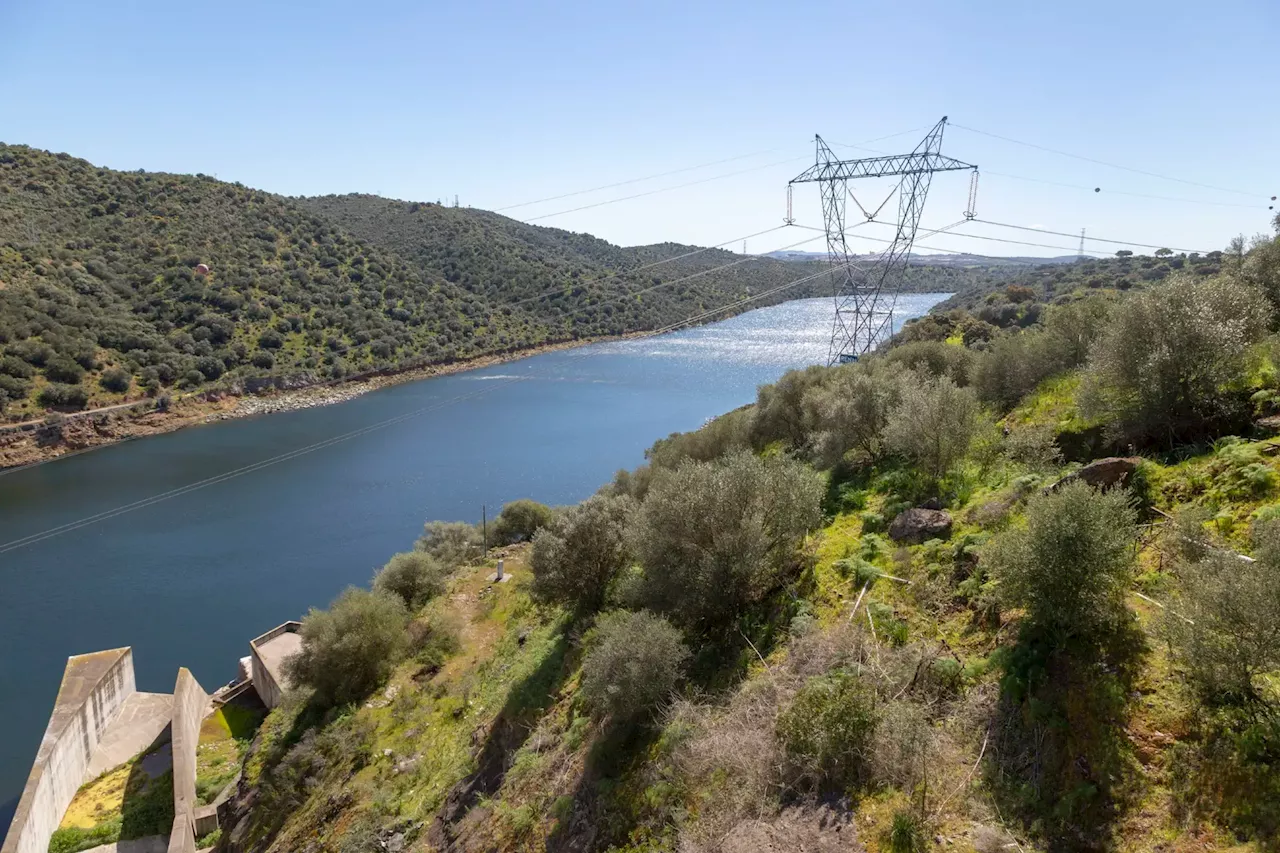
<point>102,299</point>
<point>99,293</point>
<point>895,605</point>
<point>551,272</point>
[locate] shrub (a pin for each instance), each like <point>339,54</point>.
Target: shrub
<point>723,435</point>
<point>1071,563</point>
<point>1012,368</point>
<point>1165,366</point>
<point>716,537</point>
<point>934,425</point>
<point>632,664</point>
<point>116,380</point>
<point>576,557</point>
<point>849,412</point>
<point>934,358</point>
<point>453,543</point>
<point>826,733</point>
<point>17,368</point>
<point>778,412</point>
<point>1226,628</point>
<point>60,369</point>
<point>31,351</point>
<point>270,339</point>
<point>351,648</point>
<point>12,387</point>
<point>519,520</point>
<point>263,360</point>
<point>63,396</point>
<point>1034,446</point>
<point>415,576</point>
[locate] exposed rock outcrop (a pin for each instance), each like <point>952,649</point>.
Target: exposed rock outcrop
<point>918,524</point>
<point>1103,473</point>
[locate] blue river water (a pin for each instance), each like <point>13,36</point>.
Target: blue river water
<point>189,579</point>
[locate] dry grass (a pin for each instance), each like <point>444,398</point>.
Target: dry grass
<point>926,742</point>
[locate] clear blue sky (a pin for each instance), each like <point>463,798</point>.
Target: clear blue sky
<point>504,102</point>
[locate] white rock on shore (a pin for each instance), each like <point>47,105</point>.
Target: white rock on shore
<point>293,400</point>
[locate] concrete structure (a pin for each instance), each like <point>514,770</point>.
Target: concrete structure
<point>269,652</point>
<point>190,707</point>
<point>101,721</point>
<point>95,687</point>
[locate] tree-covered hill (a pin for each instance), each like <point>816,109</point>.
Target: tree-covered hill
<point>101,292</point>
<point>116,286</point>
<point>552,272</point>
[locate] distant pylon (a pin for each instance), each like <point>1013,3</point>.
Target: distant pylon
<point>1081,255</point>
<point>865,295</point>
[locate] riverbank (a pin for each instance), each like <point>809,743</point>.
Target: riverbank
<point>90,430</point>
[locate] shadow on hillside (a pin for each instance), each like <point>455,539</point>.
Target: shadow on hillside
<point>525,703</point>
<point>147,806</point>
<point>1060,760</point>
<point>605,811</point>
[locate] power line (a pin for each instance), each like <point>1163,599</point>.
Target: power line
<point>633,181</point>
<point>1105,163</point>
<point>1123,192</point>
<point>1095,239</point>
<point>664,189</point>
<point>689,183</point>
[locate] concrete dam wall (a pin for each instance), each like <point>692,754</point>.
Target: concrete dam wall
<point>190,707</point>
<point>94,689</point>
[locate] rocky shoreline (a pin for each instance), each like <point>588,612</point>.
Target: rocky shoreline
<point>81,432</point>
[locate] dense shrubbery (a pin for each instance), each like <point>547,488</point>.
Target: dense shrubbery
<point>933,425</point>
<point>827,732</point>
<point>716,537</point>
<point>632,664</point>
<point>1172,358</point>
<point>519,521</point>
<point>1226,625</point>
<point>577,556</point>
<point>451,542</point>
<point>415,576</point>
<point>351,648</point>
<point>1070,566</point>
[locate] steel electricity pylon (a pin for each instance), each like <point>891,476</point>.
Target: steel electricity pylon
<point>865,293</point>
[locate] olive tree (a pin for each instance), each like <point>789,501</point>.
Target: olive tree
<point>1226,624</point>
<point>632,664</point>
<point>933,425</point>
<point>715,537</point>
<point>849,411</point>
<point>520,520</point>
<point>415,576</point>
<point>577,556</point>
<point>1070,564</point>
<point>1169,355</point>
<point>453,543</point>
<point>350,649</point>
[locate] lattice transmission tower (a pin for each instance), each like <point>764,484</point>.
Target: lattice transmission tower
<point>865,293</point>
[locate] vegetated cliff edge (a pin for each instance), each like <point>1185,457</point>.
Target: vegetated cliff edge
<point>736,648</point>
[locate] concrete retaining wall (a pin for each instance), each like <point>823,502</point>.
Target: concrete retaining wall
<point>190,706</point>
<point>94,686</point>
<point>265,680</point>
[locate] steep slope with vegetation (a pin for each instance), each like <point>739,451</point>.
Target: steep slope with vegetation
<point>120,286</point>
<point>578,285</point>
<point>878,610</point>
<point>101,295</point>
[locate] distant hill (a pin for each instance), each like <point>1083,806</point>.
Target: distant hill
<point>103,297</point>
<point>961,259</point>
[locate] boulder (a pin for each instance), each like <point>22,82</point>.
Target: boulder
<point>918,524</point>
<point>1103,473</point>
